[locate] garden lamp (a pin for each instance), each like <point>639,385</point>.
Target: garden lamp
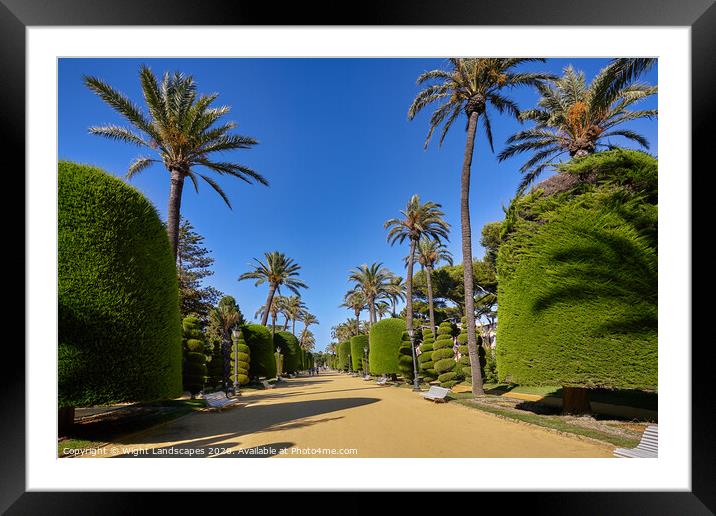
<point>235,338</point>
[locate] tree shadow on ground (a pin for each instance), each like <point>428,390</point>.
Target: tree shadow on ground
<point>202,431</point>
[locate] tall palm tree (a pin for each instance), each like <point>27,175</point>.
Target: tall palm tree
<point>356,301</point>
<point>396,292</point>
<point>418,220</point>
<point>575,119</point>
<point>308,339</point>
<point>181,129</point>
<point>429,253</point>
<point>278,270</point>
<point>469,86</point>
<point>382,308</point>
<point>274,309</point>
<point>373,281</point>
<point>308,320</point>
<point>293,308</point>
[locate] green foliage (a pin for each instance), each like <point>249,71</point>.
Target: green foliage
<point>425,359</point>
<point>385,339</point>
<point>578,282</point>
<point>194,263</point>
<point>291,350</point>
<point>194,370</point>
<point>263,361</point>
<point>119,329</point>
<point>444,357</point>
<point>344,351</point>
<point>240,360</point>
<point>216,366</point>
<point>405,358</point>
<point>358,342</point>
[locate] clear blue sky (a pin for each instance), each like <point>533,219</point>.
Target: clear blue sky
<point>337,148</point>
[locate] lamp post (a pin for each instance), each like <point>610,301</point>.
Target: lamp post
<point>416,380</point>
<point>234,339</point>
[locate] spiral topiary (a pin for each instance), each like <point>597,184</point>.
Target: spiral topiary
<point>405,358</point>
<point>444,357</point>
<point>194,371</point>
<point>425,359</point>
<point>240,360</point>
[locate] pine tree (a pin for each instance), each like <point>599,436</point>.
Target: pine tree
<point>193,266</point>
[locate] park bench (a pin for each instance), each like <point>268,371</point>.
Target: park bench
<point>367,377</point>
<point>647,447</point>
<point>218,400</point>
<point>436,394</point>
<point>267,385</point>
<point>382,381</point>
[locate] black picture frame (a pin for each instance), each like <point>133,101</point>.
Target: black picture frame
<point>700,15</point>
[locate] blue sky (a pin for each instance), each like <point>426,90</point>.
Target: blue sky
<point>338,150</point>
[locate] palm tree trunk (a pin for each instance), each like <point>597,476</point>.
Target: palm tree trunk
<point>269,300</point>
<point>409,310</point>
<point>293,327</point>
<point>174,212</point>
<point>428,274</point>
<point>477,389</point>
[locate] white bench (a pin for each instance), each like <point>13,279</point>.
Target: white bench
<point>218,400</point>
<point>647,448</point>
<point>436,394</point>
<point>267,385</point>
<point>367,377</point>
<point>382,381</point>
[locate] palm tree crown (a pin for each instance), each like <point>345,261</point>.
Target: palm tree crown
<point>429,252</point>
<point>373,282</point>
<point>418,220</point>
<point>575,119</point>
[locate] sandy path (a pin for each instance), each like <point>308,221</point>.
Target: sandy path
<point>338,412</point>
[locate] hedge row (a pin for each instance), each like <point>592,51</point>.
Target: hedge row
<point>358,343</point>
<point>260,342</point>
<point>344,351</point>
<point>385,338</point>
<point>291,350</point>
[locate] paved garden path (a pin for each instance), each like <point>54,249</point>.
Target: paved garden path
<point>339,415</point>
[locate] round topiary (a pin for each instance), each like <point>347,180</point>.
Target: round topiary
<point>385,338</point>
<point>425,359</point>
<point>194,370</point>
<point>405,360</point>
<point>260,342</point>
<point>358,343</point>
<point>291,350</point>
<point>443,356</point>
<point>240,360</point>
<point>119,329</point>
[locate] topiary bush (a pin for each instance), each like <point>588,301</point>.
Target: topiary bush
<point>240,360</point>
<point>405,358</point>
<point>194,370</point>
<point>385,338</point>
<point>444,357</point>
<point>358,342</point>
<point>216,367</point>
<point>425,359</point>
<point>119,329</point>
<point>291,351</point>
<point>578,279</point>
<point>260,342</point>
<point>344,351</point>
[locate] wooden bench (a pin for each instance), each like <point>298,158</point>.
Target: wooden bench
<point>648,446</point>
<point>267,385</point>
<point>436,394</point>
<point>218,400</point>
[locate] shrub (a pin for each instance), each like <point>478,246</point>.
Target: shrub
<point>344,351</point>
<point>216,366</point>
<point>263,361</point>
<point>405,359</point>
<point>385,338</point>
<point>119,329</point>
<point>443,356</point>
<point>578,280</point>
<point>425,359</point>
<point>240,360</point>
<point>291,350</point>
<point>194,370</point>
<point>357,354</point>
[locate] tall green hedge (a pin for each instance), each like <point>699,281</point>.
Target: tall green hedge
<point>344,351</point>
<point>194,370</point>
<point>291,350</point>
<point>240,360</point>
<point>578,279</point>
<point>358,342</point>
<point>260,342</point>
<point>444,357</point>
<point>119,329</point>
<point>425,359</point>
<point>385,338</point>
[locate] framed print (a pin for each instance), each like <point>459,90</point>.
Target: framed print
<point>421,248</point>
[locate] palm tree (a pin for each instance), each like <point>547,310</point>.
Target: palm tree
<point>181,129</point>
<point>308,319</point>
<point>396,292</point>
<point>575,119</point>
<point>469,87</point>
<point>308,340</point>
<point>418,221</point>
<point>356,301</point>
<point>373,281</point>
<point>382,308</point>
<point>429,253</point>
<point>293,308</point>
<point>279,270</point>
<point>273,310</point>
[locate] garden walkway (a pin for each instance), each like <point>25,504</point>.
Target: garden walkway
<point>339,415</point>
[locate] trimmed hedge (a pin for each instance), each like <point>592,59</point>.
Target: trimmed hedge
<point>405,360</point>
<point>291,351</point>
<point>358,342</point>
<point>385,338</point>
<point>194,370</point>
<point>263,361</point>
<point>119,328</point>
<point>578,279</point>
<point>444,357</point>
<point>344,351</point>
<point>240,360</point>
